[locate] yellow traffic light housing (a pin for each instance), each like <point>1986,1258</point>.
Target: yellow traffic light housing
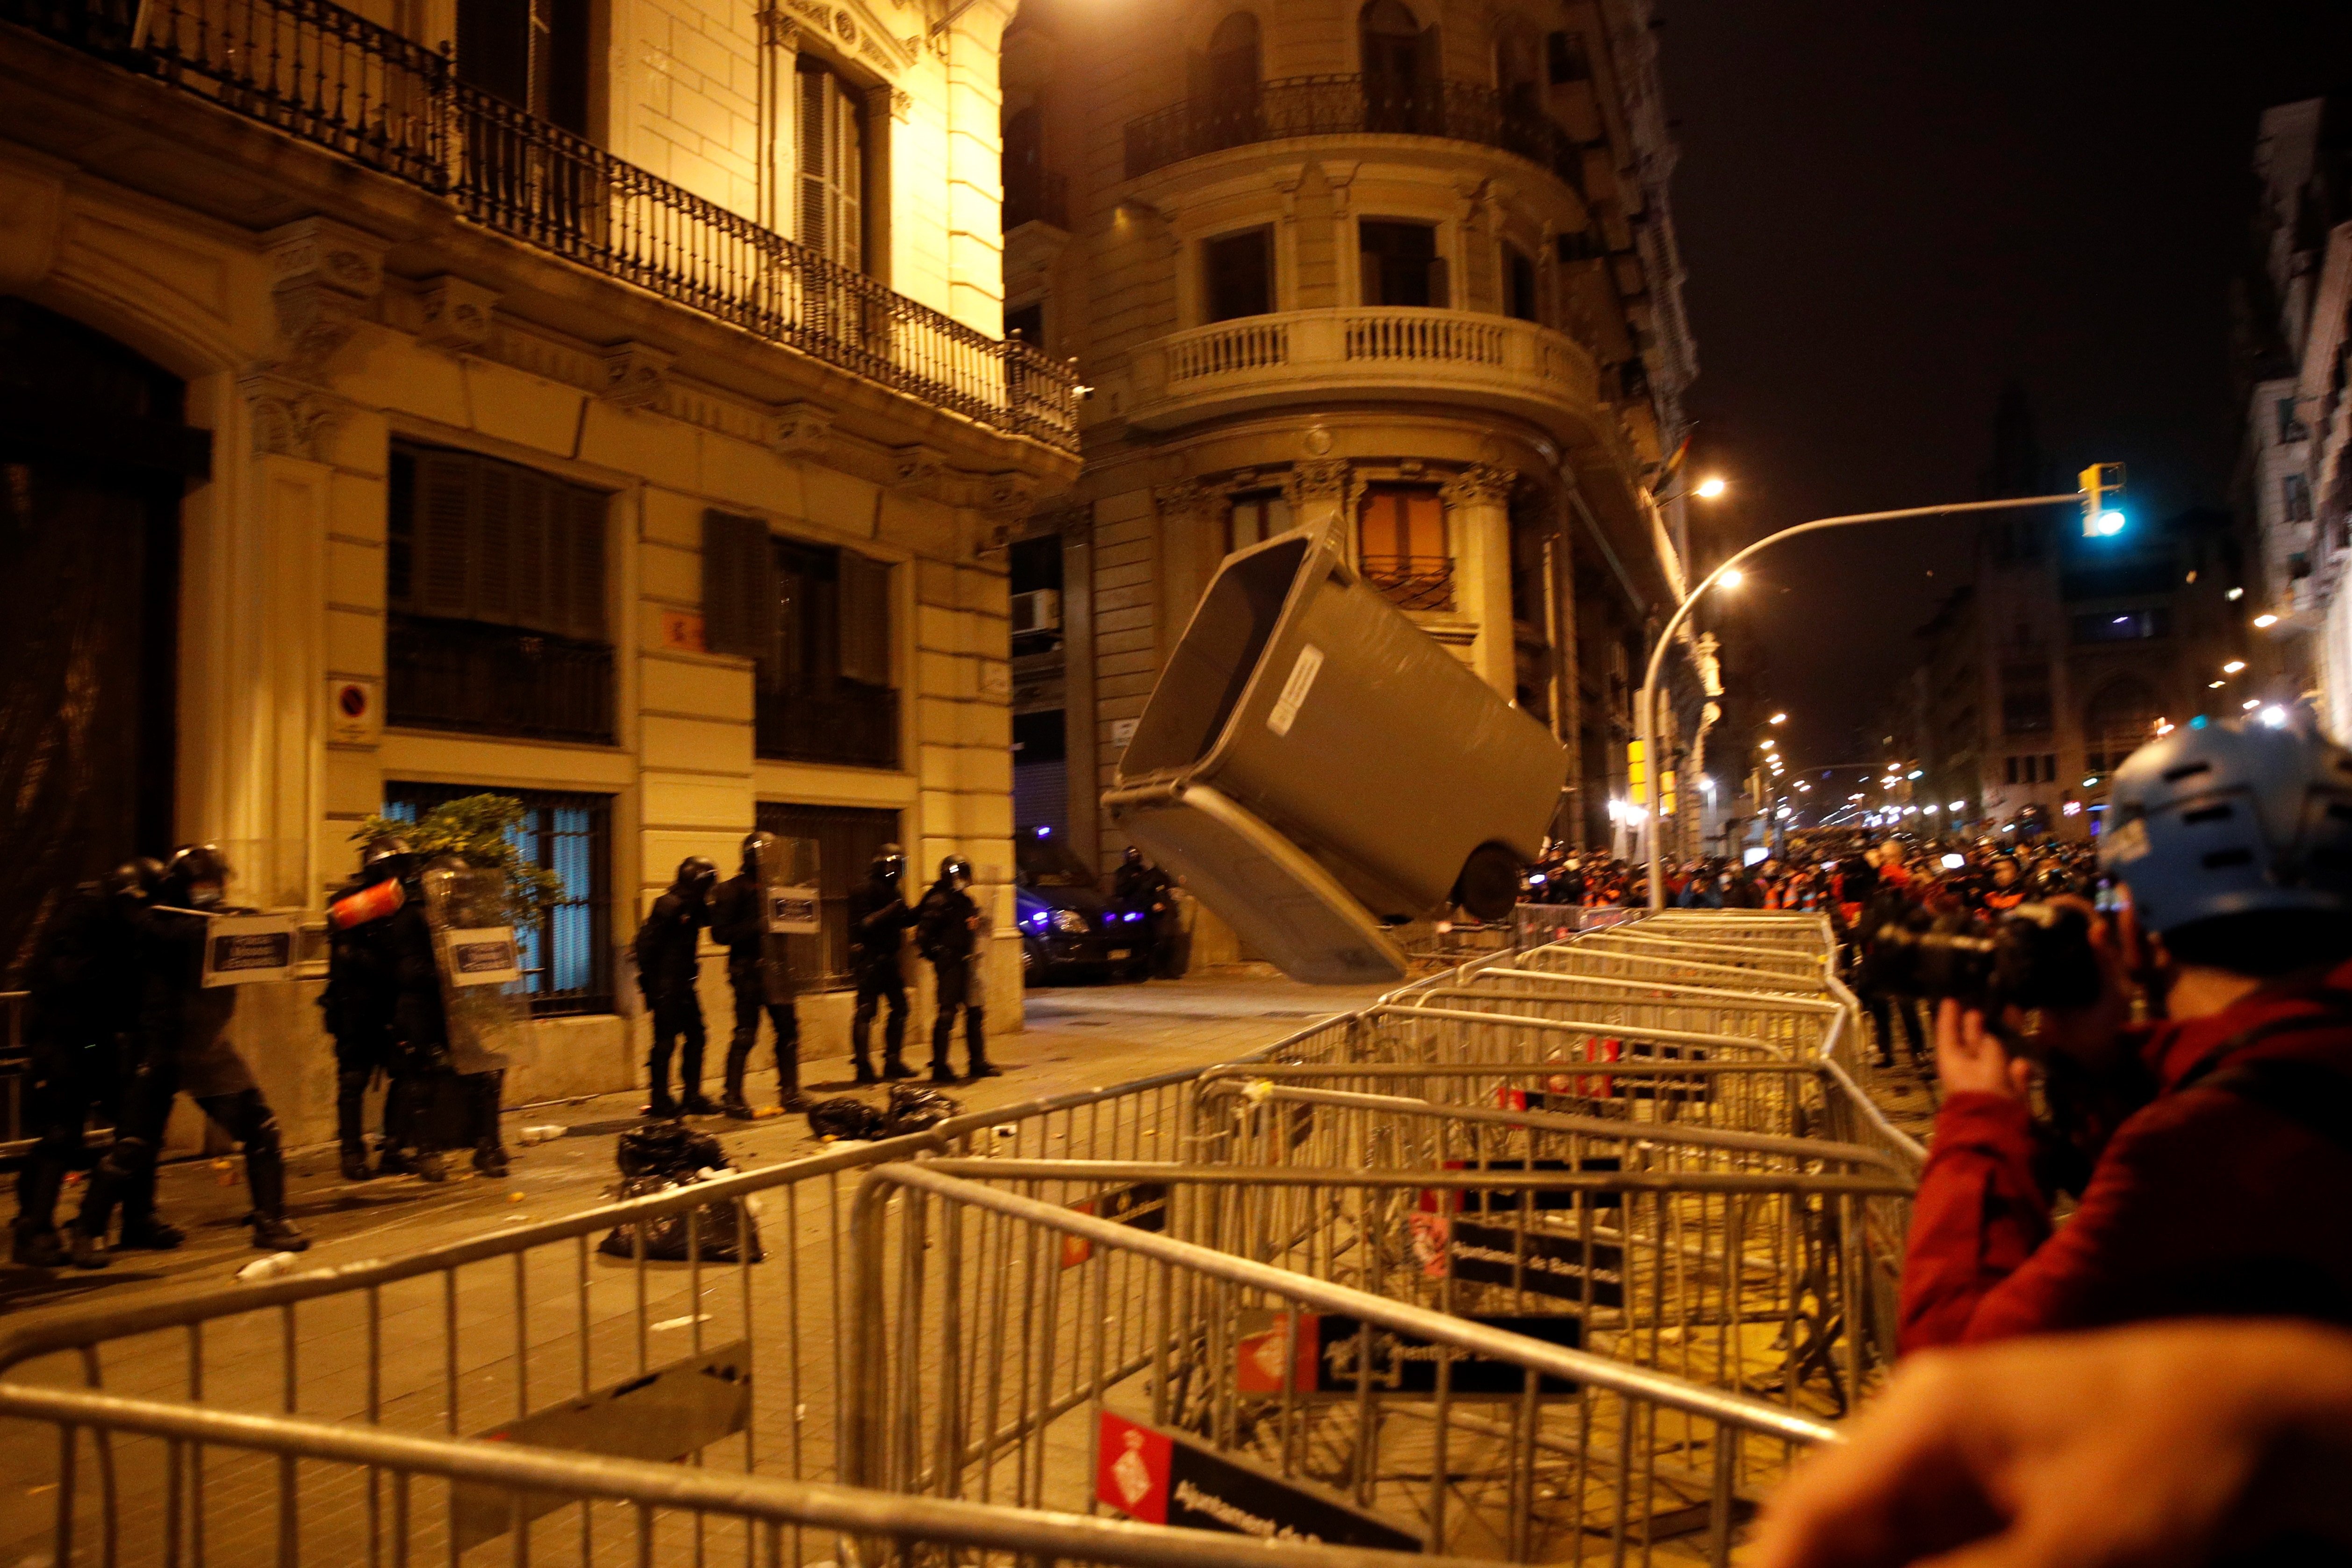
<point>2103,490</point>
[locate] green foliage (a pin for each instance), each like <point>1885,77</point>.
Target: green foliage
<point>476,830</point>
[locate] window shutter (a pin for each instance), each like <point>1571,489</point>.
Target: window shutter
<point>536,601</point>
<point>864,619</point>
<point>814,165</point>
<point>738,586</point>
<point>499,491</point>
<point>445,506</point>
<point>583,529</point>
<point>1370,262</point>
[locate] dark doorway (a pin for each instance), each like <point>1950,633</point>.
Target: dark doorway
<point>94,456</point>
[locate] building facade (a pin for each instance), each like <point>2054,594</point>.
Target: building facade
<point>605,404</point>
<point>1404,272</point>
<point>2294,485</point>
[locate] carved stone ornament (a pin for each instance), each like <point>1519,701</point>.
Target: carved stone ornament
<point>1327,481</point>
<point>800,428</point>
<point>458,315</point>
<point>777,30</point>
<point>635,374</point>
<point>1187,498</point>
<point>290,419</point>
<point>902,105</point>
<point>324,277</point>
<point>1480,484</point>
<point>912,467</point>
<point>1010,496</point>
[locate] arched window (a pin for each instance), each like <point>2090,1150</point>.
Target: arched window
<point>2121,719</point>
<point>1230,82</point>
<point>1400,68</point>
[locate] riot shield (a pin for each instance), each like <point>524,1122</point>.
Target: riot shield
<point>791,942</point>
<point>480,964</point>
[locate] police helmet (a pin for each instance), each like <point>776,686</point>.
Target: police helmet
<point>698,875</point>
<point>956,871</point>
<point>386,855</point>
<point>2232,819</point>
<point>756,843</point>
<point>198,878</point>
<point>889,862</point>
<point>134,880</point>
<point>1132,856</point>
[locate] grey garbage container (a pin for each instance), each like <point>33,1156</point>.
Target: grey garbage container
<point>1318,767</point>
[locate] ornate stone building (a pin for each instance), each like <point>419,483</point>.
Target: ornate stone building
<point>1405,272</point>
<point>604,403</point>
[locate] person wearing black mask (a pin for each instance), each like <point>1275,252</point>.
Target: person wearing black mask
<point>82,1029</point>
<point>948,928</point>
<point>879,919</point>
<point>739,922</point>
<point>185,1046</point>
<point>667,971</point>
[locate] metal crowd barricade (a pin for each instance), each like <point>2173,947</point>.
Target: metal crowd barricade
<point>501,1333</point>
<point>239,1488</point>
<point>1025,1348</point>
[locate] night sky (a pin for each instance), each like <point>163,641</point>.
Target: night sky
<point>1887,210</point>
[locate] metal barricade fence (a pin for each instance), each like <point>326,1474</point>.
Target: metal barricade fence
<point>237,1488</point>
<point>1025,1348</point>
<point>496,1333</point>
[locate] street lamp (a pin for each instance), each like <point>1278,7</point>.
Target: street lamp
<point>1711,488</point>
<point>1649,697</point>
<point>1731,578</point>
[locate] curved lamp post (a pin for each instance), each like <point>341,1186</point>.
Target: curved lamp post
<point>1650,761</point>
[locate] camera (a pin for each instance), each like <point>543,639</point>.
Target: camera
<point>2035,956</point>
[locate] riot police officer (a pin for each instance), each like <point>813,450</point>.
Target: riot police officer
<point>739,921</point>
<point>184,1045</point>
<point>1142,890</point>
<point>948,929</point>
<point>879,919</point>
<point>82,1029</point>
<point>667,972</point>
<point>361,995</point>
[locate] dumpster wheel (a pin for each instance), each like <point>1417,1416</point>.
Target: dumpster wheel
<point>1489,884</point>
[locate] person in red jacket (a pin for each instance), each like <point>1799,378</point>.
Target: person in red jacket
<point>2211,1149</point>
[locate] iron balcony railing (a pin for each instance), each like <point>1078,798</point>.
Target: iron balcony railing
<point>1352,105</point>
<point>852,725</point>
<point>335,79</point>
<point>481,679</point>
<point>1412,581</point>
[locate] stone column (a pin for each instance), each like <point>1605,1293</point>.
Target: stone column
<point>1319,493</point>
<point>780,54</point>
<point>1478,526</point>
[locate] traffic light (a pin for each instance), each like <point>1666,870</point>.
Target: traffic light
<point>2103,492</point>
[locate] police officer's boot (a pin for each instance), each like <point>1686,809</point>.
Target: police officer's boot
<point>739,1057</point>
<point>894,1048</point>
<point>942,1037</point>
<point>489,1090</point>
<point>144,1231</point>
<point>975,1041</point>
<point>789,1097</point>
<point>351,1098</point>
<point>265,1174</point>
<point>35,1242</point>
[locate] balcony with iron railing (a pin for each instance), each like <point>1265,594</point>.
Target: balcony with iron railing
<point>479,679</point>
<point>1422,582</point>
<point>844,724</point>
<point>334,80</point>
<point>1368,354</point>
<point>1352,106</point>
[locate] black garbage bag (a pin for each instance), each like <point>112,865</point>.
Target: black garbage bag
<point>669,1149</point>
<point>844,1118</point>
<point>914,1110</point>
<point>665,1157</point>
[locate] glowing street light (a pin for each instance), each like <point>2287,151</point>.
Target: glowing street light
<point>2250,702</point>
<point>1711,488</point>
<point>1731,578</point>
<point>2265,621</point>
<point>2275,716</point>
<point>1778,719</point>
<point>2233,666</point>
